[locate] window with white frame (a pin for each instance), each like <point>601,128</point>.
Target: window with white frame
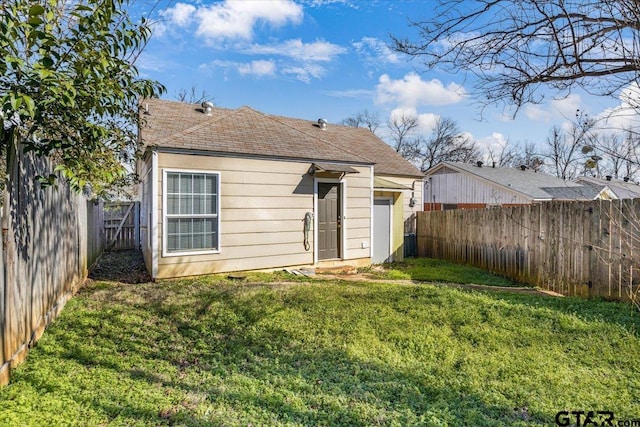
<point>191,203</point>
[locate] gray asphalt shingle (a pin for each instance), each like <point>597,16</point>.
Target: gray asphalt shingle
<point>245,131</point>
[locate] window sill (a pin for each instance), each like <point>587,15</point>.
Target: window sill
<point>166,254</point>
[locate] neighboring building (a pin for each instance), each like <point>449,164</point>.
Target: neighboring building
<point>452,185</point>
<point>232,190</point>
<point>619,189</point>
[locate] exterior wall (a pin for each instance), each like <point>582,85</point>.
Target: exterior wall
<point>144,172</point>
<point>454,188</point>
<point>262,207</point>
<point>397,231</point>
<point>408,212</point>
<point>404,215</point>
<point>357,215</point>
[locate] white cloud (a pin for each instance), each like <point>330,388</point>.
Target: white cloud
<point>259,68</point>
<point>625,116</point>
<point>296,49</point>
<point>181,14</point>
<point>552,110</point>
<point>319,3</point>
<point>350,93</point>
<point>305,72</point>
<point>426,121</point>
<point>412,91</point>
<point>149,62</point>
<point>376,51</point>
<point>236,19</point>
<point>496,142</point>
<point>232,20</point>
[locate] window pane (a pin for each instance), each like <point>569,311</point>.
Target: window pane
<point>198,184</point>
<point>172,204</point>
<point>189,195</point>
<point>172,226</point>
<point>185,183</point>
<point>214,204</point>
<point>198,225</point>
<point>184,241</point>
<point>184,226</point>
<point>186,207</point>
<point>172,241</point>
<point>172,183</point>
<point>198,241</point>
<point>214,184</point>
<point>199,205</point>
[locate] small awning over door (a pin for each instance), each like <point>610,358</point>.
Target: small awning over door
<point>386,185</point>
<point>332,167</point>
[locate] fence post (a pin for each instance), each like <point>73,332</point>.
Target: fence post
<point>4,365</point>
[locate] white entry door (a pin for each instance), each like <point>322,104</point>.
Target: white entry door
<point>381,231</point>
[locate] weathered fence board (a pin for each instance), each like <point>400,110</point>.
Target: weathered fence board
<point>573,248</point>
<point>50,237</point>
<point>121,225</point>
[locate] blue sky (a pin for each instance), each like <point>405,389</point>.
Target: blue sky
<point>327,58</point>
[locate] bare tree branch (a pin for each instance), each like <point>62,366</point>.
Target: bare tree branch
<point>516,46</point>
<point>364,119</point>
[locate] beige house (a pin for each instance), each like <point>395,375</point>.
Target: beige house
<point>231,190</point>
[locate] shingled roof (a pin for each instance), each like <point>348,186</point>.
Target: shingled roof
<point>245,131</point>
<point>622,189</point>
<point>537,185</point>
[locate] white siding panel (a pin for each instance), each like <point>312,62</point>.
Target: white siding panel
<point>462,188</point>
<point>263,204</point>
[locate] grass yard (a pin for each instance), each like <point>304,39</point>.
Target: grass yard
<point>436,270</point>
<point>208,351</point>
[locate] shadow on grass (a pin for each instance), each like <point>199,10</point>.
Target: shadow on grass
<point>221,348</point>
<point>437,270</point>
<point>599,310</point>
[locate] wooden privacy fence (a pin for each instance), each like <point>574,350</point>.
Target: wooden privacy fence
<point>573,248</point>
<point>50,238</point>
<point>122,225</point>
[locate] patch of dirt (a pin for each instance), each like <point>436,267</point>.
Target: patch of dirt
<point>120,266</point>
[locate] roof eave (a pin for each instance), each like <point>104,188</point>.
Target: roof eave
<point>191,151</point>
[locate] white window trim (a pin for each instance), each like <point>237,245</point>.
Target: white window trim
<point>165,251</point>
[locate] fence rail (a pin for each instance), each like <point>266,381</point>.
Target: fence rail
<point>573,248</point>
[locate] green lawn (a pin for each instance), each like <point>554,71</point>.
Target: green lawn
<point>207,351</point>
<point>436,270</point>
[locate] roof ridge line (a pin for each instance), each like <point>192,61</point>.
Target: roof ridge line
<point>275,118</point>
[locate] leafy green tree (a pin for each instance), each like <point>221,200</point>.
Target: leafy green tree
<point>69,88</point>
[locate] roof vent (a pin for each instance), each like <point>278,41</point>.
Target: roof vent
<point>207,107</point>
<point>322,123</point>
